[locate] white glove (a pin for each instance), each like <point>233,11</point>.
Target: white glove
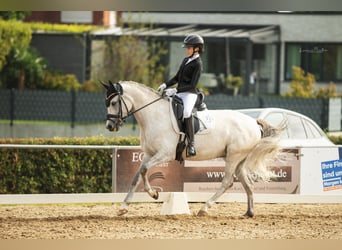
<point>170,92</point>
<point>161,88</point>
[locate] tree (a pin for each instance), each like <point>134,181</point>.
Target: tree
<point>133,57</point>
<point>14,37</point>
<point>21,66</point>
<point>24,68</point>
<point>14,15</point>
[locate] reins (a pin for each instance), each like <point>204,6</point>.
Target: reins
<point>122,118</point>
<point>148,104</point>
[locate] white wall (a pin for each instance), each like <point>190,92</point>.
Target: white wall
<point>77,17</point>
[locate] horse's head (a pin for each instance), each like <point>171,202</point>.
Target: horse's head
<point>117,109</point>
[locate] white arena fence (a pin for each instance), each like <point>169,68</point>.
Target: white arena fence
<point>202,190</point>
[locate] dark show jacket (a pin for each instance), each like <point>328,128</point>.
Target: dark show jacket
<point>187,76</point>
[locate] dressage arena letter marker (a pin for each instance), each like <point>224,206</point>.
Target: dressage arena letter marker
<point>176,203</point>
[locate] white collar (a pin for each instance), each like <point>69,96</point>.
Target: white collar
<point>192,58</point>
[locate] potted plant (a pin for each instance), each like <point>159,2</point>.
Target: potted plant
<point>234,83</point>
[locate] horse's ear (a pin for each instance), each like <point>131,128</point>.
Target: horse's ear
<point>104,85</point>
<point>120,90</point>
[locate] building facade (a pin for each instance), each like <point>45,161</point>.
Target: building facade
<point>312,41</point>
<point>261,48</point>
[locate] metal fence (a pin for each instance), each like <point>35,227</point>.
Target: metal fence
<point>86,107</point>
<point>316,109</point>
<point>73,107</point>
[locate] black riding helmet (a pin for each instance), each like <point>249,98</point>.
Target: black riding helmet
<point>194,40</point>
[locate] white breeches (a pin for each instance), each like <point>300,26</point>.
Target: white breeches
<point>189,101</point>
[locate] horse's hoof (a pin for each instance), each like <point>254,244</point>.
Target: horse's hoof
<point>155,195</point>
<point>248,214</point>
<point>202,213</point>
<point>122,211</point>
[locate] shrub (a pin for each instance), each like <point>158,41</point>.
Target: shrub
<point>327,92</point>
<point>91,86</point>
<point>51,27</point>
<point>303,85</point>
<point>29,171</point>
<point>55,171</point>
<point>58,81</point>
<point>232,82</point>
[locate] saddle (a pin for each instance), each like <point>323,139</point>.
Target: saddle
<point>177,107</point>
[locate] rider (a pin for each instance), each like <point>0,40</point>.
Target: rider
<point>187,78</point>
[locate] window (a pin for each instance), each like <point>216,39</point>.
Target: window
<point>296,128</point>
<point>275,119</point>
<point>311,130</point>
<point>321,59</point>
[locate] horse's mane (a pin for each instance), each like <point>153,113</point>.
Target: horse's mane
<point>139,85</point>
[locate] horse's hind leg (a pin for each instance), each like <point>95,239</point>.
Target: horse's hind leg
<point>247,184</point>
<point>227,182</point>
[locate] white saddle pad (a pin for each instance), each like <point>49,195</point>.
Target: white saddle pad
<point>206,120</point>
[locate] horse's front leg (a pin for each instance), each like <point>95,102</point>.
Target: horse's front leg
<point>153,193</point>
<point>147,163</point>
<point>151,162</point>
<point>136,181</point>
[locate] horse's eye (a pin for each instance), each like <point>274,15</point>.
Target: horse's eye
<point>113,103</point>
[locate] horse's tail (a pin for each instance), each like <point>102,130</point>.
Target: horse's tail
<point>265,151</point>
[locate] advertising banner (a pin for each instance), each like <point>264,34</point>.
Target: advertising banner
<point>321,169</point>
<point>332,175</point>
<point>164,178</point>
<point>203,176</point>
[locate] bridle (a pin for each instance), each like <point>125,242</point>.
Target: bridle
<point>119,118</point>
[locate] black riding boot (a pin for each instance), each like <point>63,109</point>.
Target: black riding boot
<point>189,131</point>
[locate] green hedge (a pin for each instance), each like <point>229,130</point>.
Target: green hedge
<point>337,140</point>
<point>52,27</point>
<point>30,171</point>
